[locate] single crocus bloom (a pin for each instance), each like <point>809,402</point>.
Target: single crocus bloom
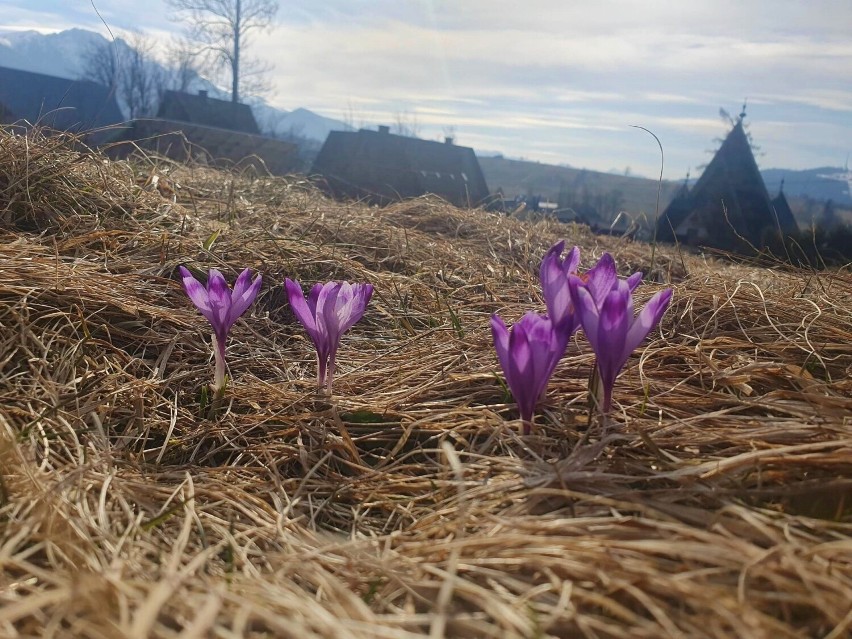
<point>222,308</point>
<point>528,354</point>
<point>611,328</point>
<point>329,311</point>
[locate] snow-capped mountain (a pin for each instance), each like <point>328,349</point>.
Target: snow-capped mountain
<point>64,54</point>
<point>61,54</point>
<point>299,122</point>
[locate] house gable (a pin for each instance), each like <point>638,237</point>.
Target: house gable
<point>206,111</point>
<point>383,167</point>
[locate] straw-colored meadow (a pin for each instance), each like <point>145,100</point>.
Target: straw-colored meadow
<point>407,504</point>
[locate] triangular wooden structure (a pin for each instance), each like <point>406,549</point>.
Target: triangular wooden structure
<point>729,207</point>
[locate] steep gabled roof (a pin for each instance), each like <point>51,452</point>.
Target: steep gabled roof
<point>58,103</point>
<point>206,111</point>
<point>383,167</point>
<point>729,201</point>
<point>783,213</point>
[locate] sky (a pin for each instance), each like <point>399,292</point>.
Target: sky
<point>558,81</point>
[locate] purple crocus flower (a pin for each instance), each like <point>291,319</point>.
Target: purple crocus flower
<point>610,326</point>
<point>528,354</point>
<point>329,311</point>
<point>222,308</point>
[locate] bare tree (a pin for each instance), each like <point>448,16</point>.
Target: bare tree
<point>221,28</point>
<point>101,64</point>
<point>406,124</point>
<point>182,67</point>
<point>129,69</point>
<point>142,80</point>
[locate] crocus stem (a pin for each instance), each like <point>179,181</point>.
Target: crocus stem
<point>600,394</point>
<point>322,366</point>
<point>527,426</point>
<point>606,402</point>
<point>329,377</point>
<point>219,370</point>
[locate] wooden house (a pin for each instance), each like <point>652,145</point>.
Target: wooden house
<point>209,131</point>
<point>382,167</point>
<point>199,108</point>
<point>76,106</point>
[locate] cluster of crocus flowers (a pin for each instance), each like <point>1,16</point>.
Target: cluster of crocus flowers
<point>222,307</point>
<point>599,302</point>
<point>329,311</point>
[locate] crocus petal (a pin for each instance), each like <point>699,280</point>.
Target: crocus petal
<point>614,322</point>
<point>220,302</point>
<point>550,258</point>
<point>353,310</point>
<point>313,296</point>
<point>242,283</point>
<point>343,306</point>
<point>647,319</point>
<point>586,310</point>
<point>601,278</point>
<point>543,343</point>
<point>245,292</point>
<point>501,341</point>
<point>521,376</point>
<point>301,309</point>
<point>634,280</point>
<point>553,274</point>
<point>327,321</point>
<point>196,292</point>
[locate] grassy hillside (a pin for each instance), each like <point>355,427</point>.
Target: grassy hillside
<point>518,177</point>
<point>717,503</point>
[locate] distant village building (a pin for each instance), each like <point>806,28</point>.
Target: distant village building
<point>76,106</point>
<point>382,167</point>
<point>199,128</point>
<point>203,110</point>
<point>729,202</point>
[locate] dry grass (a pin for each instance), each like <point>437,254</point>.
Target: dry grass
<point>406,505</point>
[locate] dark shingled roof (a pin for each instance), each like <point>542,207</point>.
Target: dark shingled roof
<point>382,167</point>
<point>786,220</point>
<point>206,111</point>
<point>217,147</point>
<point>58,103</point>
<point>729,200</point>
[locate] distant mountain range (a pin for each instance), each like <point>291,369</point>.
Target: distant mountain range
<point>824,183</point>
<point>64,54</point>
